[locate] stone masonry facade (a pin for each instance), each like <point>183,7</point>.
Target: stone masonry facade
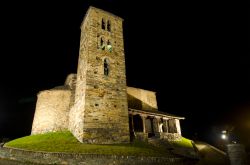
<point>95,104</point>
<point>100,99</point>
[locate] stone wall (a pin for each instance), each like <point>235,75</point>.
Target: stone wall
<point>170,136</point>
<point>76,115</point>
<point>89,159</point>
<point>100,113</point>
<point>237,154</point>
<point>141,99</point>
<point>52,111</point>
<point>141,136</point>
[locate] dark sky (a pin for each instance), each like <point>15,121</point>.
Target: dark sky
<point>194,55</point>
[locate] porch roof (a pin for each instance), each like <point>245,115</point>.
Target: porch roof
<point>154,113</point>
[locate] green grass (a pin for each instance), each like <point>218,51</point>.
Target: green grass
<point>184,142</point>
<point>66,142</point>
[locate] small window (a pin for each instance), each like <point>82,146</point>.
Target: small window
<point>106,67</point>
<point>103,24</point>
<point>109,46</point>
<point>102,45</point>
<point>109,26</point>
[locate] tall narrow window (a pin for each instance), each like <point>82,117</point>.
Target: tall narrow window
<point>106,67</point>
<point>109,26</point>
<point>103,24</point>
<point>109,46</point>
<point>102,44</point>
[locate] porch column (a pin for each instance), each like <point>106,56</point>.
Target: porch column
<point>178,127</point>
<point>132,122</point>
<point>143,117</point>
<point>165,124</point>
<point>157,123</point>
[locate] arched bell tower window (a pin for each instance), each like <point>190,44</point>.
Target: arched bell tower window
<point>106,67</point>
<point>109,26</point>
<point>102,44</point>
<point>109,46</point>
<point>103,24</point>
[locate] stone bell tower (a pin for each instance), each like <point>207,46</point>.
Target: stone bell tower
<point>100,111</point>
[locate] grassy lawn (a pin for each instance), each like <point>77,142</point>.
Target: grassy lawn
<point>184,142</point>
<point>66,142</point>
<point>185,148</point>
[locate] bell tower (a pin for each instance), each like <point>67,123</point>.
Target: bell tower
<point>100,111</point>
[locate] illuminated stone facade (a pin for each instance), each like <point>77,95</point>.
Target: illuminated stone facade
<point>95,104</point>
<point>52,111</point>
<point>100,98</point>
<point>141,99</point>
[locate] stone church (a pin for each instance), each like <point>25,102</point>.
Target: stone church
<point>96,105</point>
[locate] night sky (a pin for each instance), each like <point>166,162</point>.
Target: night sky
<point>194,55</point>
